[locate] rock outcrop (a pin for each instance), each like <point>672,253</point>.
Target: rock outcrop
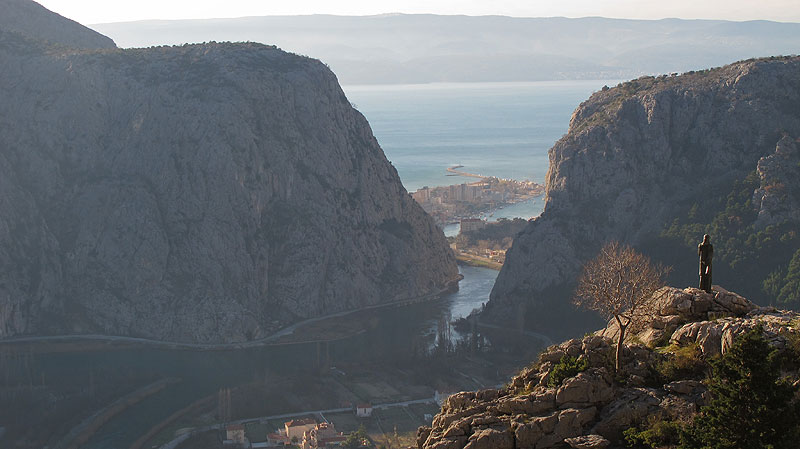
<point>636,155</point>
<point>592,408</point>
<point>204,193</point>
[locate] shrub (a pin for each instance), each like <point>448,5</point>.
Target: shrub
<point>657,434</point>
<point>751,407</point>
<point>682,363</point>
<point>566,368</point>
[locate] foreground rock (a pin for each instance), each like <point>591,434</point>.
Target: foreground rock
<point>591,409</point>
<point>637,157</point>
<point>204,193</point>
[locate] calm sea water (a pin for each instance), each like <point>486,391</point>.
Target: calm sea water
<point>492,129</point>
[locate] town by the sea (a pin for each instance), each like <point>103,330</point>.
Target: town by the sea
<point>492,129</point>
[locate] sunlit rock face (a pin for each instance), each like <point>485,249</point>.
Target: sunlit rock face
<point>634,156</point>
<point>204,193</point>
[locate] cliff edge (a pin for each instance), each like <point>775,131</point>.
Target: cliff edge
<point>204,193</point>
<point>711,151</point>
<point>31,19</point>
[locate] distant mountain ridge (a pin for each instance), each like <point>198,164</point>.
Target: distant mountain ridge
<point>400,48</point>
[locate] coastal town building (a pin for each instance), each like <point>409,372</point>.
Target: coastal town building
<point>322,435</point>
<point>295,428</point>
<point>422,195</point>
<point>472,224</point>
<point>364,410</point>
<point>235,435</point>
<point>447,204</point>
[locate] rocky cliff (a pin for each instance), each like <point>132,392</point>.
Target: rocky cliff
<point>661,380</point>
<point>204,193</point>
<point>33,20</point>
<point>658,151</point>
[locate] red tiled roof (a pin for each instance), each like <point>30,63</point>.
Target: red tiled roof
<point>235,427</point>
<point>364,406</point>
<point>300,422</point>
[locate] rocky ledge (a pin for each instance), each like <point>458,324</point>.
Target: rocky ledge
<point>543,408</point>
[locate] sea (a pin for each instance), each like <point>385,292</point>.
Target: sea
<point>491,129</point>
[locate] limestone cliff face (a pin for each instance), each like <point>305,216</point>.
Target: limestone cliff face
<point>33,20</point>
<point>207,193</point>
<point>636,151</point>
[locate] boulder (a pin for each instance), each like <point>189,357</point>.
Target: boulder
<point>527,404</point>
<point>587,388</point>
<point>627,410</point>
<point>491,439</point>
<point>588,442</point>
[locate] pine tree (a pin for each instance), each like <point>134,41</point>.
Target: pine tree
<point>751,407</point>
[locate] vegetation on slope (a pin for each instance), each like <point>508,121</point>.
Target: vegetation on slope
<point>761,262</point>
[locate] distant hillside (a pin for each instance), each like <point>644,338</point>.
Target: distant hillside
<point>33,20</point>
<point>657,162</point>
<point>401,48</point>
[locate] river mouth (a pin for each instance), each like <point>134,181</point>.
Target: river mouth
<point>394,347</point>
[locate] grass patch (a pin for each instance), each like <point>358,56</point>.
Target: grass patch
<point>681,362</point>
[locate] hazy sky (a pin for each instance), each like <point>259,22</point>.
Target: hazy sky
<point>99,11</point>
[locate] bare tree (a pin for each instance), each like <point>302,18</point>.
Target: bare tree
<point>619,283</point>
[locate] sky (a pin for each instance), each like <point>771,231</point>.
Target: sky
<point>103,11</point>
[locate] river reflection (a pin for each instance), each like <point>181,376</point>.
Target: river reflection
<point>393,332</point>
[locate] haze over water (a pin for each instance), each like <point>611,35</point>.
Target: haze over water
<point>492,129</point>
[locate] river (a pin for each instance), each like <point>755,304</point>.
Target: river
<point>204,372</point>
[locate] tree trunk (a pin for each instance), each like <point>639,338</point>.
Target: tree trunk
<point>619,343</point>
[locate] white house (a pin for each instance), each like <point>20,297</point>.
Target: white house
<point>364,410</point>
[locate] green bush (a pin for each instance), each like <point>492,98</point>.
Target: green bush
<point>566,368</point>
<point>682,363</point>
<point>657,434</point>
<point>751,407</point>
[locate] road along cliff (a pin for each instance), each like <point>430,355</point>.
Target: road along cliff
<point>656,163</point>
<point>203,193</point>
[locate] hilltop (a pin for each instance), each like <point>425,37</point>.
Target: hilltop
<point>657,162</point>
<point>34,21</point>
<point>571,396</point>
<point>207,193</point>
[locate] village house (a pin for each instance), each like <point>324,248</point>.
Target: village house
<point>322,435</point>
<point>235,434</point>
<point>364,410</point>
<point>277,439</point>
<point>297,427</point>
